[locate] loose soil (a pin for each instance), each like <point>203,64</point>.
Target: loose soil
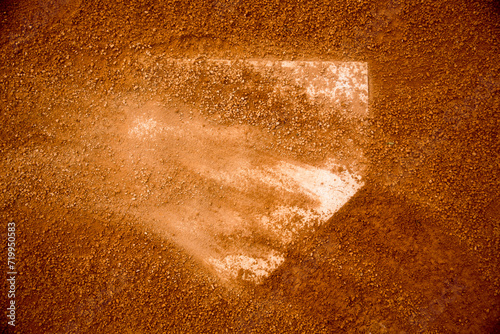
<point>104,136</point>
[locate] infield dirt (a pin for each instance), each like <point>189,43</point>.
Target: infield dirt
<point>120,115</point>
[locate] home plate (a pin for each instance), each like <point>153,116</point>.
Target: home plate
<point>244,156</point>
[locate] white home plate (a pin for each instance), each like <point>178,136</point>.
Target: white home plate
<point>243,156</point>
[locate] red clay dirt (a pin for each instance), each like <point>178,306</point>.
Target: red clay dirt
<point>415,250</point>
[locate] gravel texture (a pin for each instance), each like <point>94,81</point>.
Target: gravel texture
<point>414,251</point>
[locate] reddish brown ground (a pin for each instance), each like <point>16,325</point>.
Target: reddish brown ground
<point>416,250</point>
